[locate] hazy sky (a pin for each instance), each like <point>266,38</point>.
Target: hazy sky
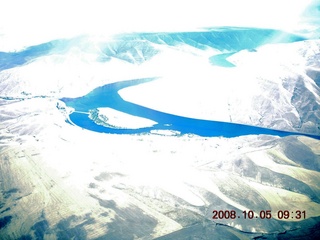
<point>22,22</point>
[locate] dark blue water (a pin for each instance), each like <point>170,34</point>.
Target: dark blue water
<point>107,96</point>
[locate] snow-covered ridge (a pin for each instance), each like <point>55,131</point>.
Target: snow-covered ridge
<point>273,82</point>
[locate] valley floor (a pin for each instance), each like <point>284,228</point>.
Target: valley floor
<point>61,181</point>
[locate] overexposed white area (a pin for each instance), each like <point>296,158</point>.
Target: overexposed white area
<point>69,75</point>
<point>117,119</point>
<point>25,23</point>
<point>263,89</point>
<point>259,90</point>
<point>90,183</point>
<point>71,171</point>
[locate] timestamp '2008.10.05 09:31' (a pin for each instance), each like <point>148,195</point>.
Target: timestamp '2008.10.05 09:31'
<point>263,214</point>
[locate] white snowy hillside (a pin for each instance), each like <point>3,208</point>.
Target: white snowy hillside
<point>168,120</point>
<point>274,86</point>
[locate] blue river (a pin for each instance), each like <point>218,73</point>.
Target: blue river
<point>107,96</point>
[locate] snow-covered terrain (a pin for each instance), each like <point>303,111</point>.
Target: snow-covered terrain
<point>269,87</point>
<point>275,85</point>
<point>60,180</point>
<point>113,118</point>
